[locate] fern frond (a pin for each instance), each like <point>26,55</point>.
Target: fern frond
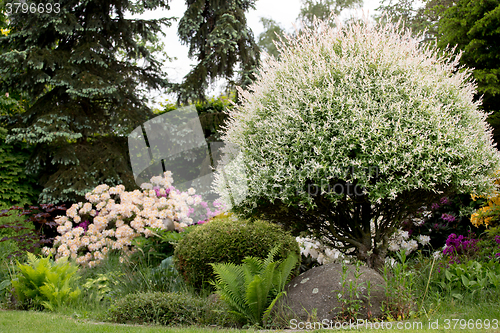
<point>230,285</point>
<point>251,267</point>
<point>283,271</point>
<point>271,306</point>
<point>256,297</point>
<point>271,255</point>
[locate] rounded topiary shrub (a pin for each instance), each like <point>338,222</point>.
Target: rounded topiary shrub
<point>158,308</point>
<point>352,130</point>
<point>223,240</point>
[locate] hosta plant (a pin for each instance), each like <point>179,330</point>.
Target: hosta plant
<point>252,289</point>
<point>351,131</point>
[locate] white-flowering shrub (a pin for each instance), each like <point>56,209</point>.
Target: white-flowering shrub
<point>113,217</point>
<point>401,240</point>
<point>356,124</point>
<point>311,247</point>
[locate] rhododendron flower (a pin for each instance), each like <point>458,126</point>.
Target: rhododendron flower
<point>112,222</point>
<point>448,218</point>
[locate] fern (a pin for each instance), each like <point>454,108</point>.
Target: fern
<point>252,289</point>
<point>43,283</point>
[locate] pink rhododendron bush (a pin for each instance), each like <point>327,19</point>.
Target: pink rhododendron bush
<point>113,217</point>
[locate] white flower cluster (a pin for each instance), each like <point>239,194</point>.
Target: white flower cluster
<point>401,240</point>
<point>316,250</point>
<point>424,216</point>
<point>114,224</point>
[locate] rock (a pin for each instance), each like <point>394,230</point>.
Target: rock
<point>318,288</point>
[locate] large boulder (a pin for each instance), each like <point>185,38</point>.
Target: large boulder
<point>315,292</point>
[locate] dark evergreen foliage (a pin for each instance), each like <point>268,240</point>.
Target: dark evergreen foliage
<point>219,39</point>
<point>84,68</point>
<point>16,188</point>
<point>474,27</point>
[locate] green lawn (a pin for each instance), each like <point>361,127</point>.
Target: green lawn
<point>43,322</point>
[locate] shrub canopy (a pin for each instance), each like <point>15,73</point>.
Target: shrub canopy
<point>354,128</point>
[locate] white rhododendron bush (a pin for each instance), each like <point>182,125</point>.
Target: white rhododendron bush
<point>113,217</point>
<point>352,130</point>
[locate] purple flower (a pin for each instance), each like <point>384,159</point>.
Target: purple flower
<point>204,204</point>
<point>458,245</point>
<point>445,201</point>
<point>497,239</point>
<point>448,218</point>
<point>497,255</point>
<point>434,206</point>
<point>84,225</point>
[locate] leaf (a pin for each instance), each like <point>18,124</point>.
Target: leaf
<point>271,306</point>
<point>465,281</point>
<point>256,298</point>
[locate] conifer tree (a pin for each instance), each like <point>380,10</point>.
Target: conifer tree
<point>219,39</point>
<point>82,63</point>
<point>474,27</point>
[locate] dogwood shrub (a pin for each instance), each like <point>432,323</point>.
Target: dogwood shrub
<point>113,217</point>
<point>356,124</point>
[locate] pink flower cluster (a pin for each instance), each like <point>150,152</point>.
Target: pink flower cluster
<point>459,244</point>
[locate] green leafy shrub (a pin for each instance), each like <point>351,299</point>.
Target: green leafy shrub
<point>33,228</point>
<point>252,289</point>
<point>140,277</point>
<point>158,247</point>
<point>158,308</point>
<point>460,278</point>
<point>353,129</point>
<point>103,286</point>
<point>15,233</point>
<point>223,240</point>
<point>16,187</point>
<point>43,283</point>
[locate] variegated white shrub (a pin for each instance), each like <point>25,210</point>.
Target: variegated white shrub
<point>354,125</point>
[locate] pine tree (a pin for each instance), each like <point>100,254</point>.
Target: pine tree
<point>83,65</point>
<point>219,40</point>
<point>474,27</point>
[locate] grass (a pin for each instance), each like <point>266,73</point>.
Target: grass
<point>43,322</point>
<point>34,322</point>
